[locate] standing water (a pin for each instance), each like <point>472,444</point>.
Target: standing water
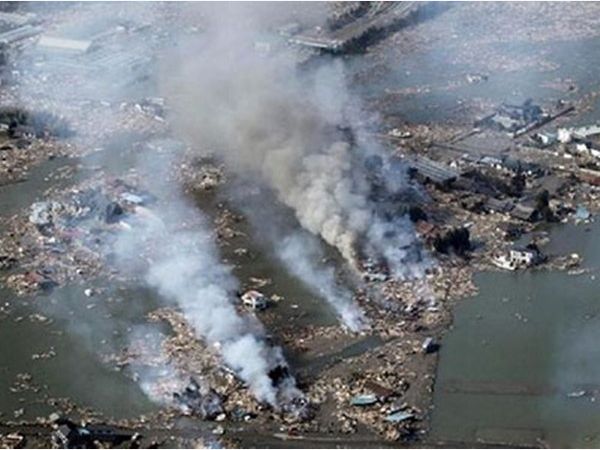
<point>521,365</point>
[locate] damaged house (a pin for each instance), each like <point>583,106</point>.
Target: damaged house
<point>197,400</point>
<point>254,300</point>
<point>67,434</point>
<point>515,119</point>
<point>520,258</point>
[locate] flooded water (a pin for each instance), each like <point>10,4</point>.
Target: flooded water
<point>79,332</point>
<point>445,89</point>
<point>82,331</point>
<point>521,364</point>
<point>15,196</point>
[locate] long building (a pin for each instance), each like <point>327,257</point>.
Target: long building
<point>432,170</point>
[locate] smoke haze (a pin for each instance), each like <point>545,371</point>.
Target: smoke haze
<point>295,131</point>
<point>235,95</point>
<point>184,267</point>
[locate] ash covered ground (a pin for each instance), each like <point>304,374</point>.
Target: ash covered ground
<point>246,225</point>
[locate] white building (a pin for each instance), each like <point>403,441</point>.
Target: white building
<point>523,257</point>
<point>518,258</point>
<point>254,299</point>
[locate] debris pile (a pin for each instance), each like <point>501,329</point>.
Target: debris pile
<point>67,238</point>
<point>200,401</point>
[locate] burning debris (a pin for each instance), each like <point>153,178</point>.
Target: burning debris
<point>185,269</point>
<point>20,123</point>
<point>298,409</point>
<point>300,252</point>
<point>295,136</point>
<point>374,270</point>
<point>289,131</point>
<point>200,401</point>
<point>456,240</point>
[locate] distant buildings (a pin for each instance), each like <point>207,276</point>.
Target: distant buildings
<point>15,27</point>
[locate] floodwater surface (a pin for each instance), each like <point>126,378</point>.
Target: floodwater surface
<point>521,364</point>
<point>60,340</point>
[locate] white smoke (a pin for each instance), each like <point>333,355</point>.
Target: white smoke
<point>184,267</point>
<point>300,253</point>
<point>171,243</point>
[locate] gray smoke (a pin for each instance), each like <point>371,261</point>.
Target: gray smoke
<point>171,244</point>
<point>299,251</point>
<point>269,122</point>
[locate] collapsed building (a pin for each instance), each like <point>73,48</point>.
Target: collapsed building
<point>514,118</point>
<point>517,120</point>
<point>519,257</point>
<point>67,434</point>
<point>427,170</point>
<point>117,210</point>
<point>199,400</point>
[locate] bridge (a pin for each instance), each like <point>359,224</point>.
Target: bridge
<point>382,15</point>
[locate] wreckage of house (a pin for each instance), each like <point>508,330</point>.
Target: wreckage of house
<point>589,176</point>
<point>255,300</point>
<point>525,212</point>
<point>519,258</point>
<point>69,435</point>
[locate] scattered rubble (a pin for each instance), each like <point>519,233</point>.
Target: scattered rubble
<point>482,198</point>
<point>203,402</point>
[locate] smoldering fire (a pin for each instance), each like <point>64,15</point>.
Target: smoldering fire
<point>289,129</point>
<point>185,268</point>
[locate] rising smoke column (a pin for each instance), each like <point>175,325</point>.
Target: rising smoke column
<point>271,123</point>
<point>260,119</point>
<point>299,250</point>
<point>184,268</point>
<point>183,263</point>
<point>299,253</point>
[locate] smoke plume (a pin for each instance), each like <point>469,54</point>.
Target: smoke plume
<point>184,267</point>
<point>297,132</point>
<point>299,252</point>
<point>171,243</point>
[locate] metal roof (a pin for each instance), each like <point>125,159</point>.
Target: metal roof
<point>436,172</point>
